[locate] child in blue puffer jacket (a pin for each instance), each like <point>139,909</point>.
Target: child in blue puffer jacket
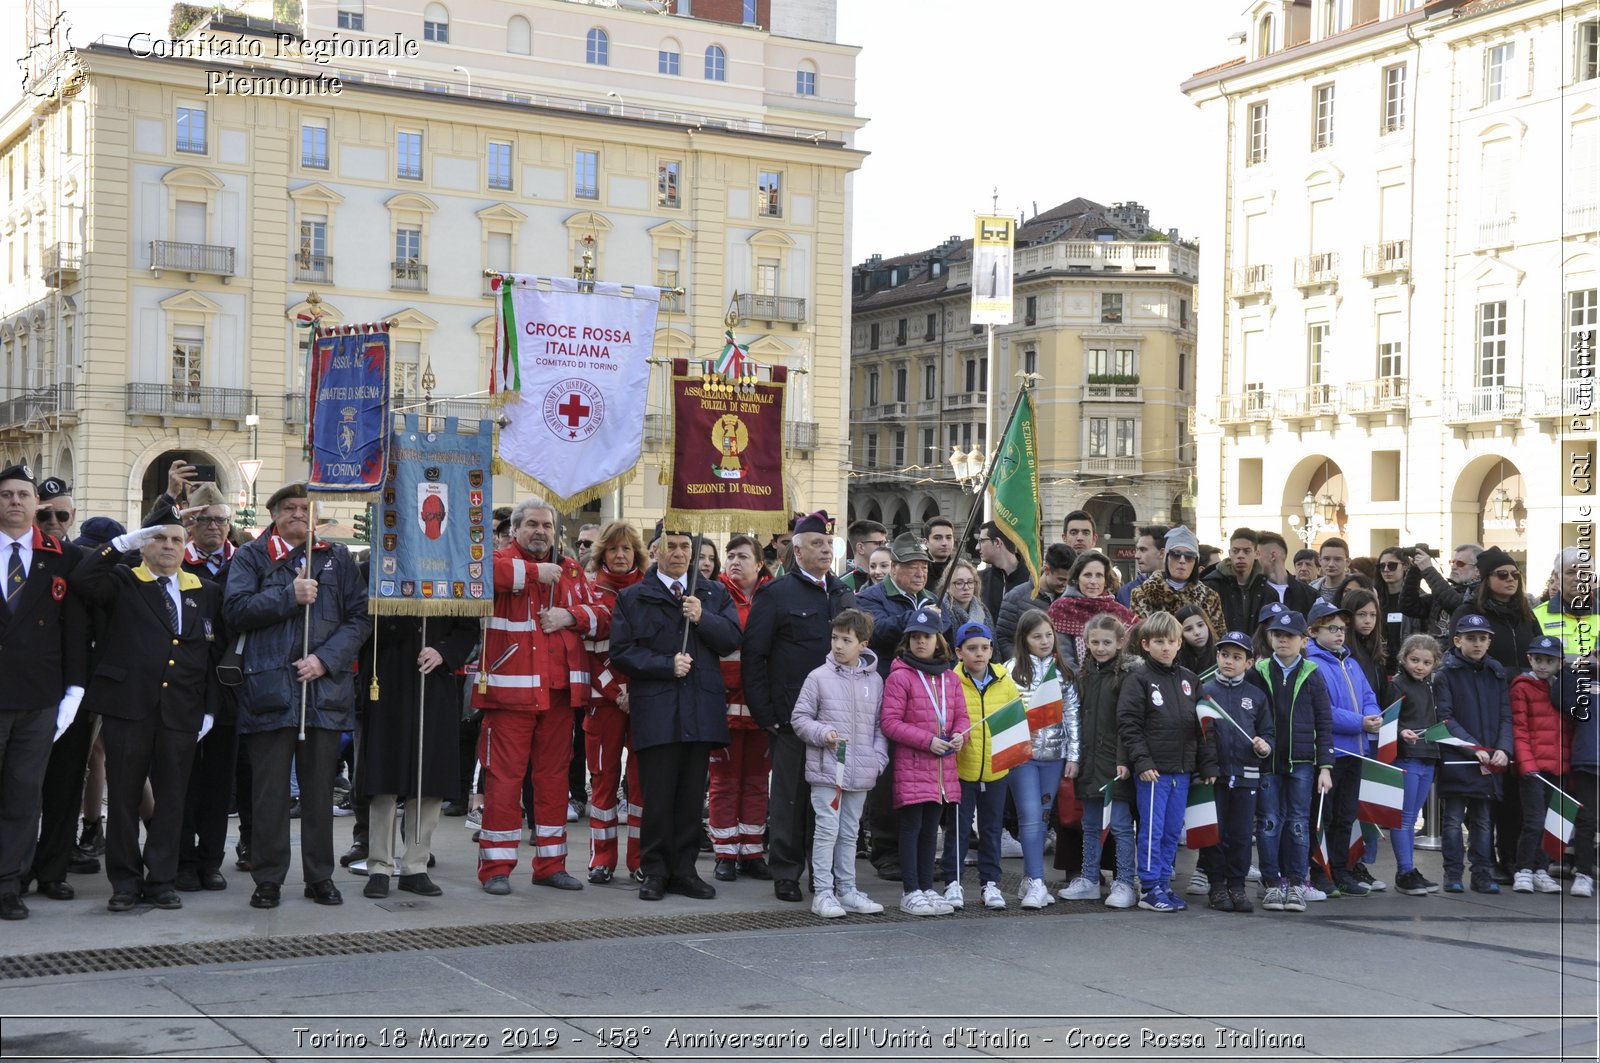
<point>1356,719</point>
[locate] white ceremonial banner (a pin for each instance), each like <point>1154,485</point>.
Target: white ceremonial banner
<point>580,372</point>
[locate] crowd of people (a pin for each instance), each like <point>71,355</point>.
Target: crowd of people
<point>751,702</point>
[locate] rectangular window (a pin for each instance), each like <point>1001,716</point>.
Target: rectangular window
<point>1497,71</point>
<point>1492,344</point>
<point>902,383</point>
<point>1183,313</point>
<point>667,62</point>
<point>1322,124</point>
<point>352,15</point>
<point>805,82</point>
<point>1030,310</point>
<point>586,174</point>
<point>933,327</point>
<point>407,246</point>
<point>900,333</point>
<point>1099,432</point>
<point>1183,370</point>
<point>499,165</point>
<point>667,183</point>
<point>767,277</point>
<point>1111,308</point>
<point>899,448</point>
<point>1030,360</point>
<point>1125,429</point>
<point>972,380</point>
<point>874,332</point>
<point>769,201</point>
<point>1099,361</point>
<point>929,457</point>
<point>1391,360</point>
<point>1122,363</point>
<point>191,131</point>
<point>1258,134</point>
<point>872,450</point>
<point>188,358</point>
<point>1394,98</point>
<point>314,144</point>
<point>1317,352</point>
<point>408,155</point>
<point>930,381</point>
<point>312,256</point>
<point>438,32</point>
<point>1587,65</point>
<point>499,251</point>
<point>1581,321</point>
<point>749,12</point>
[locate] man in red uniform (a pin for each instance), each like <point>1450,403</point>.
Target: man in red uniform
<point>535,671</point>
<point>738,812</point>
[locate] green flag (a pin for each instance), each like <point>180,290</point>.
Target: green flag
<point>1014,486</point>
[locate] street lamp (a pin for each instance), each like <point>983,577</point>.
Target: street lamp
<point>468,73</point>
<point>968,467</point>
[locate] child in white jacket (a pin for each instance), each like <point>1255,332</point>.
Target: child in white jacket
<point>837,717</point>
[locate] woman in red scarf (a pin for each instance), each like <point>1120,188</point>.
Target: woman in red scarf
<point>616,561</point>
<point>1091,590</point>
<point>739,772</point>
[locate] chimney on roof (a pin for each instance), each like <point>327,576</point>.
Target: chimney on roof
<point>1172,235</point>
<point>1131,215</point>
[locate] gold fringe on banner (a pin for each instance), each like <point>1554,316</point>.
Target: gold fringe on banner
<point>727,521</point>
<point>579,500</point>
<point>430,607</point>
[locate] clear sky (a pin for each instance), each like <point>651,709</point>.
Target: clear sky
<point>1043,99</point>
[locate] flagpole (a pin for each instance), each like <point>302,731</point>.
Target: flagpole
<point>1369,760</point>
<point>1553,786</point>
<point>694,575</point>
<point>982,495</point>
<point>1248,737</point>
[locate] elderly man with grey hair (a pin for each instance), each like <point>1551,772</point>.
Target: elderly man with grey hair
<point>1568,613</point>
<point>535,671</point>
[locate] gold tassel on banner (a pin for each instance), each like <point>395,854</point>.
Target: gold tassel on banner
<point>372,691</point>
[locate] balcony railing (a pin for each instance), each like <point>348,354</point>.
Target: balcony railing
<point>1315,400</point>
<point>1583,218</point>
<point>408,277</point>
<point>657,429</point>
<point>925,408</point>
<point>192,259</point>
<point>313,267</point>
<point>61,264</point>
<point>1496,232</point>
<point>179,400</point>
<point>1251,280</point>
<point>1382,395</point>
<point>887,411</point>
<point>800,435</point>
<point>1552,402</point>
<point>1391,256</point>
<point>22,411</point>
<point>1111,393</point>
<point>294,407</point>
<point>772,308</point>
<point>1253,405</point>
<point>1311,271</point>
<point>1483,404</point>
<point>1079,256</point>
<point>965,400</point>
<point>1099,466</point>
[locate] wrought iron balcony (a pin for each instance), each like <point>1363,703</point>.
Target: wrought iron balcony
<point>772,308</point>
<point>294,408</point>
<point>192,259</point>
<point>181,400</point>
<point>1250,281</point>
<point>61,264</point>
<point>26,411</point>
<point>1486,404</point>
<point>1496,232</point>
<point>800,435</point>
<point>1253,405</point>
<point>308,267</point>
<point>1308,403</point>
<point>1369,399</point>
<point>1388,258</point>
<point>408,276</point>
<point>1103,466</point>
<point>1313,271</point>
<point>1554,403</point>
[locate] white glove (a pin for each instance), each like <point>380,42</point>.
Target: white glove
<point>135,540</point>
<point>67,711</point>
<point>205,726</point>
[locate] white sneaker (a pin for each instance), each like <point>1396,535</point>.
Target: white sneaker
<point>1121,896</point>
<point>1543,883</point>
<point>1254,874</point>
<point>954,896</point>
<point>573,812</point>
<point>1311,893</point>
<point>1199,882</point>
<point>916,903</point>
<point>857,903</point>
<point>1080,889</point>
<point>474,819</point>
<point>992,897</point>
<point>1522,882</point>
<point>1033,894</point>
<point>937,902</point>
<point>827,906</point>
<point>1009,846</point>
<point>1582,885</point>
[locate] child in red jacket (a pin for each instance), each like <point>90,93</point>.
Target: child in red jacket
<point>1543,751</point>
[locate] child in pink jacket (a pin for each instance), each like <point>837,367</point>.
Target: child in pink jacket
<point>925,717</point>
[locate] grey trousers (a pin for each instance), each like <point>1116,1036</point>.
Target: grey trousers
<point>414,851</point>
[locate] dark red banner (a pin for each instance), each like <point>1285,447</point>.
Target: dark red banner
<point>727,452</point>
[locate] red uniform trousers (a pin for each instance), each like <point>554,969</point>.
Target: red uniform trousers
<point>739,795</point>
<point>511,741</point>
<point>607,736</point>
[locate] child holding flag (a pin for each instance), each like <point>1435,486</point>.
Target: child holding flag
<point>1102,784</point>
<point>1161,735</point>
<point>836,716</point>
<point>1050,692</point>
<point>1475,720</point>
<point>1412,686</point>
<point>1543,748</point>
<point>998,741</point>
<point>1244,741</point>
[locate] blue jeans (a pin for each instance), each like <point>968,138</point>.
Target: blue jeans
<point>1476,812</point>
<point>1033,788</point>
<point>1121,830</point>
<point>1418,778</point>
<point>1283,825</point>
<point>988,801</point>
<point>1161,806</point>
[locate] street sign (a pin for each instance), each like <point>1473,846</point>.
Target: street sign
<point>250,468</point>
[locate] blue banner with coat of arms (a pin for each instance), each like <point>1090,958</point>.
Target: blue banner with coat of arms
<point>432,538</point>
<point>347,426</point>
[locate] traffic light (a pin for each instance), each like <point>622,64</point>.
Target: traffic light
<point>363,524</point>
<point>245,516</point>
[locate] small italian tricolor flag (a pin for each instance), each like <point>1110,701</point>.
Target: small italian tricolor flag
<point>1382,795</point>
<point>1559,816</point>
<point>1200,828</point>
<point>1008,736</point>
<point>1208,711</point>
<point>1319,852</point>
<point>1366,839</point>
<point>1105,810</point>
<point>1389,734</point>
<point>1045,702</point>
<point>1440,733</point>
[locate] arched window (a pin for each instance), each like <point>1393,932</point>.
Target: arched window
<point>436,24</point>
<point>1264,36</point>
<point>519,36</point>
<point>805,79</point>
<point>597,49</point>
<point>716,63</point>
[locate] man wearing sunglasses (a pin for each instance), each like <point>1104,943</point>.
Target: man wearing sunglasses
<point>57,511</point>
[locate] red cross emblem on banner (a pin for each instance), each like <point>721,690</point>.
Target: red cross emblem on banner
<point>574,410</point>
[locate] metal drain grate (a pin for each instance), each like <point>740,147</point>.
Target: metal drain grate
<point>265,950</point>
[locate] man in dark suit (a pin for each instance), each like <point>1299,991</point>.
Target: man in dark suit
<point>678,706</point>
<point>43,639</point>
<point>156,691</point>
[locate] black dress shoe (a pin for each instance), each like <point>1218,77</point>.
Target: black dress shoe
<point>324,892</point>
<point>122,902</point>
<point>11,906</point>
<point>560,880</point>
<point>420,884</point>
<point>243,863</point>
<point>454,808</point>
<point>787,889</point>
<point>166,899</point>
<point>755,867</point>
<point>726,871</point>
<point>57,891</point>
<point>213,880</point>
<point>691,886</point>
<point>653,888</point>
<point>600,875</point>
<point>187,881</point>
<point>352,854</point>
<point>266,895</point>
<point>377,887</point>
<point>83,865</point>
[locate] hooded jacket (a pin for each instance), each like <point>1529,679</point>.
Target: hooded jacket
<point>1473,701</point>
<point>1302,714</point>
<point>974,757</point>
<point>1158,724</point>
<point>1349,697</point>
<point>1540,731</point>
<point>912,701</point>
<point>847,701</point>
<point>1100,744</point>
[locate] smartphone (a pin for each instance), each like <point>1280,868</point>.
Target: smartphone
<point>205,474</point>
